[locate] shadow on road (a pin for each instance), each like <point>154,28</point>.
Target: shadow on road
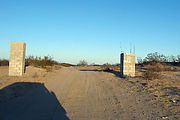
<point>30,101</point>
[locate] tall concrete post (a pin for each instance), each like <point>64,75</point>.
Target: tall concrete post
<point>127,66</point>
<point>17,58</point>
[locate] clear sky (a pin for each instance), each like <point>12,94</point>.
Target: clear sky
<point>94,30</point>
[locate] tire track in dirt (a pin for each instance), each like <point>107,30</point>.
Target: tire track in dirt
<point>112,104</point>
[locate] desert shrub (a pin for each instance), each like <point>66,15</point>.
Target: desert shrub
<point>82,63</point>
<point>4,62</point>
<point>153,71</point>
<point>155,57</point>
<point>150,75</point>
<point>156,66</point>
<point>159,62</point>
<point>40,62</point>
<point>106,67</point>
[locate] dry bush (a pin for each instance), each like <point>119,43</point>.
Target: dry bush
<point>4,62</point>
<point>40,62</point>
<point>150,75</point>
<point>156,66</point>
<point>82,63</point>
<point>153,71</point>
<point>106,67</point>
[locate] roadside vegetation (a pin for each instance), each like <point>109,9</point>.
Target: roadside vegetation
<point>107,67</point>
<point>4,62</point>
<point>82,63</point>
<point>161,58</point>
<point>40,62</point>
<point>44,62</point>
<point>155,63</point>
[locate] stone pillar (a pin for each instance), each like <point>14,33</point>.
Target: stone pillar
<point>127,66</point>
<point>17,58</point>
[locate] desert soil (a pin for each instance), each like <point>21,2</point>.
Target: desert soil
<point>78,93</point>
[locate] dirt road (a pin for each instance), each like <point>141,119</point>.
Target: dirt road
<point>80,94</point>
<point>90,94</point>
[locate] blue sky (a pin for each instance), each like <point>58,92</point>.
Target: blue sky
<point>94,30</point>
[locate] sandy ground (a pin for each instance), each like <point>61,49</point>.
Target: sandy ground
<point>86,93</point>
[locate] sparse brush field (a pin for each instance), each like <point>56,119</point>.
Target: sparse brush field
<point>91,91</point>
<point>97,92</point>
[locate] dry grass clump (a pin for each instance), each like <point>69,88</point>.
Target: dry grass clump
<point>4,62</point>
<point>156,66</point>
<point>153,71</point>
<point>171,68</point>
<point>150,75</point>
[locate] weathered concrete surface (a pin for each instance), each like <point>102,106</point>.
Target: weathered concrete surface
<point>17,58</point>
<point>127,66</point>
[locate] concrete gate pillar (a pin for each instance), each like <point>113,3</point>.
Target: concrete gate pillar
<point>127,66</point>
<point>17,58</point>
